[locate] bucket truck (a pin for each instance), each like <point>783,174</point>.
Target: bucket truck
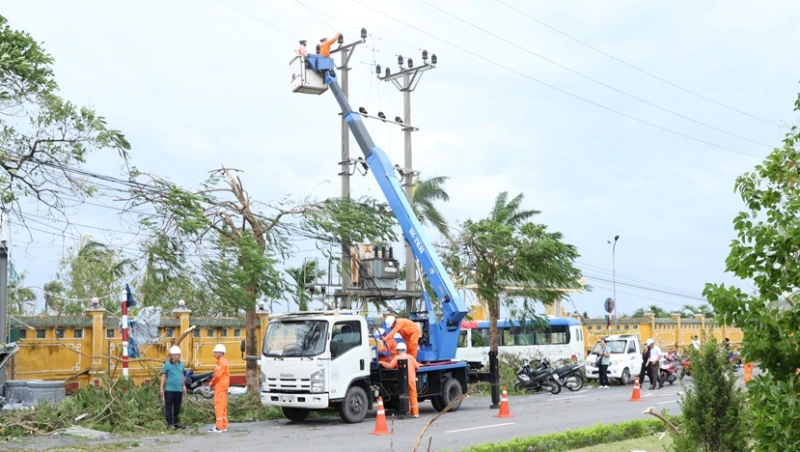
<point>325,359</point>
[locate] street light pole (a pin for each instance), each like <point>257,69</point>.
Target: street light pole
<point>614,273</point>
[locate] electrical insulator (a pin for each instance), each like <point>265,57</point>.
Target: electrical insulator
<point>391,252</point>
<point>378,70</point>
<point>362,110</point>
<point>424,56</point>
<point>398,119</point>
<point>410,63</point>
<point>400,60</point>
<point>322,289</point>
<point>341,39</point>
<point>388,72</point>
<point>382,116</point>
<point>311,290</point>
<point>433,58</point>
<point>363,34</point>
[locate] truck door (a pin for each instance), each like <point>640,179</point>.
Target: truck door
<point>350,356</point>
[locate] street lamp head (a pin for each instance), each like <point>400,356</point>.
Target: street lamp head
<point>616,237</point>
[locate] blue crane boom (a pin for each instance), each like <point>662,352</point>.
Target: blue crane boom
<point>444,332</point>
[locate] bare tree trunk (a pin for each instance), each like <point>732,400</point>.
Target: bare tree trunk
<point>251,350</point>
<point>494,316</point>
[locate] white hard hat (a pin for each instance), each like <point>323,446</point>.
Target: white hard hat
<point>175,350</point>
<point>401,346</point>
<point>649,341</point>
<point>219,348</point>
<point>389,321</point>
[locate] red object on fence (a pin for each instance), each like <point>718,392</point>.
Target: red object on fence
<point>125,334</point>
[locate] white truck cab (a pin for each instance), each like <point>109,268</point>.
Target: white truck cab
<point>317,360</point>
<point>626,358</point>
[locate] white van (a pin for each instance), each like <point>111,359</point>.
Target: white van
<point>626,358</point>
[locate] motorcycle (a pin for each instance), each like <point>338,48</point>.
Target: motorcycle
<point>569,376</point>
<point>668,371</point>
<point>541,379</point>
<point>686,367</point>
<point>198,383</point>
<point>735,360</point>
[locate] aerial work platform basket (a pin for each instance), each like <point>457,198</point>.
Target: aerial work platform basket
<point>307,80</point>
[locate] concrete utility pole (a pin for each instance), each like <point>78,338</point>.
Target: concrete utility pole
<point>614,273</point>
<point>346,162</point>
<point>3,305</point>
<point>410,77</point>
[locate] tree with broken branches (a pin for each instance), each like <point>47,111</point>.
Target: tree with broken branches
<point>236,242</point>
<point>44,139</point>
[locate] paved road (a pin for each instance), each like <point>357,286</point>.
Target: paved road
<point>474,423</point>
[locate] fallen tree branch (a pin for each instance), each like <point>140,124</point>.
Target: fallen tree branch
<point>438,415</point>
<point>664,419</point>
<point>184,334</point>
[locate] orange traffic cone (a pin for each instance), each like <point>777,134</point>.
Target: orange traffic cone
<point>380,422</point>
<point>637,395</point>
<point>504,409</point>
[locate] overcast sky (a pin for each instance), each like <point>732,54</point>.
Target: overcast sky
<point>196,84</point>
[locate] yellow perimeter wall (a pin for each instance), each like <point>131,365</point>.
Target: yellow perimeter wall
<point>84,351</point>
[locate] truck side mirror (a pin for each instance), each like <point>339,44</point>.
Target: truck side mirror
<point>242,346</point>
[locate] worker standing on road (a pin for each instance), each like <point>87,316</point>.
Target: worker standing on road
<point>408,330</point>
<point>413,366</point>
<point>220,383</point>
<point>325,45</point>
<point>172,388</point>
<point>652,361</point>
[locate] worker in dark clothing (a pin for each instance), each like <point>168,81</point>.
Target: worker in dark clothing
<point>325,45</point>
<point>645,358</point>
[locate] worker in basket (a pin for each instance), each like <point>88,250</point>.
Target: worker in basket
<point>408,330</point>
<point>413,366</point>
<point>325,45</point>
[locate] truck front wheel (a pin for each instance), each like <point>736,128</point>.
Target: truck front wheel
<point>296,414</point>
<point>353,408</point>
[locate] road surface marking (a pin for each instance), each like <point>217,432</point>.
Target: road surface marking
<point>478,428</point>
<point>566,398</point>
<point>667,395</point>
<point>648,395</point>
<point>664,403</point>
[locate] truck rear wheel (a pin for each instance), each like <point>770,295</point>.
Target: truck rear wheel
<point>296,414</point>
<point>451,390</point>
<point>353,408</point>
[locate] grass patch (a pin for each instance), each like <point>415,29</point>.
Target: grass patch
<point>125,409</point>
<point>648,443</point>
<point>581,438</point>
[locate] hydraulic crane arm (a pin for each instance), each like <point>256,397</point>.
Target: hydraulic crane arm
<point>444,332</point>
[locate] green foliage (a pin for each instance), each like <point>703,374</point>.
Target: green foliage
<point>303,278</point>
<point>764,253</point>
<point>507,250</point>
<point>126,409</point>
<point>575,439</point>
<point>352,221</point>
<point>20,298</point>
<point>94,270</point>
<point>40,133</point>
<point>242,272</point>
<point>712,407</point>
<point>426,193</point>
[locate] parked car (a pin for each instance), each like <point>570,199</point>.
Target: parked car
<point>626,358</point>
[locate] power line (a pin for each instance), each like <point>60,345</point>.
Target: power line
<point>650,289</point>
<point>632,278</point>
<point>636,67</point>
<point>575,96</point>
<point>581,74</point>
<point>257,18</point>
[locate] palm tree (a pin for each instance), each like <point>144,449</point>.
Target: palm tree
<point>426,193</point>
<point>507,212</point>
<point>304,278</point>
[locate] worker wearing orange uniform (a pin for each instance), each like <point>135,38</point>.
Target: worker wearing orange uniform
<point>325,46</point>
<point>413,366</point>
<point>220,382</point>
<point>408,330</point>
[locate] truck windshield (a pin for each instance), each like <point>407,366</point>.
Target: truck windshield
<point>295,338</point>
<point>617,346</point>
